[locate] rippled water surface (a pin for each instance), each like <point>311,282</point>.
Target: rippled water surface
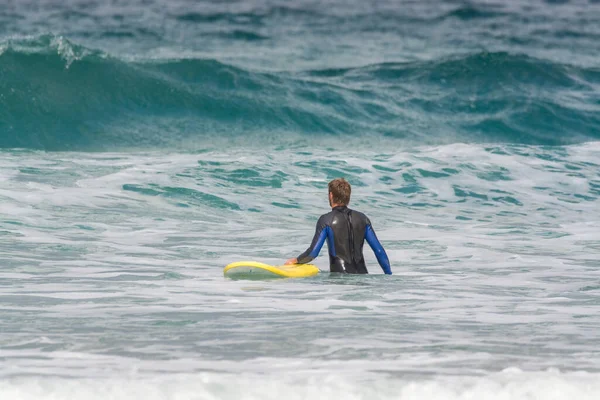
<point>113,270</point>
<point>144,145</point>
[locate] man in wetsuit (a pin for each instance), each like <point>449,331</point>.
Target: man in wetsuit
<point>345,231</point>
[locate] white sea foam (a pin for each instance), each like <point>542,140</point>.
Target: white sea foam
<point>507,385</point>
<point>111,284</point>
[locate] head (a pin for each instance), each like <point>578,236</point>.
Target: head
<point>339,192</point>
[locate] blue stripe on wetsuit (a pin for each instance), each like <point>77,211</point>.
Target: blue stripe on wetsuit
<point>313,251</point>
<point>382,257</point>
<point>326,233</point>
<point>330,241</point>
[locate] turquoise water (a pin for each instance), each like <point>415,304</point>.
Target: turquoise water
<point>144,146</point>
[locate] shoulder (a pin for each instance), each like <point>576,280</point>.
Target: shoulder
<point>361,216</point>
<point>325,219</point>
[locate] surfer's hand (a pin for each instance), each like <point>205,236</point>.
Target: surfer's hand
<point>291,261</point>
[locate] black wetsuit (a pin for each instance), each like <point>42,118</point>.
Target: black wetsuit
<point>345,231</point>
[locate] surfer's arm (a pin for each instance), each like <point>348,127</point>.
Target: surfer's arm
<point>315,246</point>
<point>382,257</point>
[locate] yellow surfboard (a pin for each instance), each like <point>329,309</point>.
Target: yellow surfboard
<point>258,270</point>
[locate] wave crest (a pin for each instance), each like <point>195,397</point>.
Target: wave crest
<point>56,95</point>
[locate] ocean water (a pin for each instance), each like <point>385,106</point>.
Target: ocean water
<point>146,144</point>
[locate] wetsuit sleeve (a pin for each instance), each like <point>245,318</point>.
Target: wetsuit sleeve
<point>382,257</point>
<point>315,247</point>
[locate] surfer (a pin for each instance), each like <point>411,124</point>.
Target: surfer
<point>345,231</point>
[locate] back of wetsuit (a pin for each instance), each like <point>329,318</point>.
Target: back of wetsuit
<point>345,231</point>
<point>349,235</point>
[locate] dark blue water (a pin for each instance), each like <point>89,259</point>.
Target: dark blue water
<point>146,144</point>
<point>94,76</point>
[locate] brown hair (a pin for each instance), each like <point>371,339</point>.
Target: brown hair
<point>340,188</point>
